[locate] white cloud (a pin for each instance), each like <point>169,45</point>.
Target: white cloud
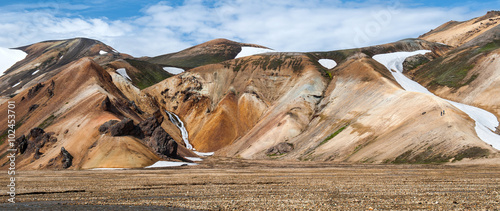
<point>315,25</point>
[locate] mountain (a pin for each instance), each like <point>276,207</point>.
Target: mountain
<point>455,33</point>
<point>355,112</point>
<point>82,105</point>
<point>211,52</point>
<point>469,72</point>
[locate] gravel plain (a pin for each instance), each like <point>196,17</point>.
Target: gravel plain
<point>234,184</point>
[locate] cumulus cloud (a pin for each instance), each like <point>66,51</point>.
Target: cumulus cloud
<point>314,25</point>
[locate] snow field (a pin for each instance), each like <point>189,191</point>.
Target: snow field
<point>486,122</point>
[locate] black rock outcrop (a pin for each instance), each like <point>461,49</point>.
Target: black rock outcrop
<point>149,125</point>
<point>123,128</point>
<point>34,90</point>
<point>67,160</point>
<point>33,107</point>
<point>149,131</point>
<point>21,144</point>
<point>104,128</point>
<point>106,104</point>
<point>163,143</point>
<point>279,149</point>
<point>36,132</point>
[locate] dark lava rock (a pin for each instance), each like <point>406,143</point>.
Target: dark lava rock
<point>498,131</point>
<point>106,104</point>
<point>34,90</point>
<point>159,117</point>
<point>67,160</point>
<point>37,153</point>
<point>21,144</point>
<point>163,143</point>
<point>33,107</point>
<point>104,128</point>
<point>279,149</point>
<point>39,137</point>
<point>41,140</point>
<point>123,128</point>
<point>36,132</point>
<point>50,90</point>
<point>149,125</point>
<point>413,62</point>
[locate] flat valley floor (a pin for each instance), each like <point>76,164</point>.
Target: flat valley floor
<point>234,184</point>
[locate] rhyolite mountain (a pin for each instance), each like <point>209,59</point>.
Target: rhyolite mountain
<point>80,104</point>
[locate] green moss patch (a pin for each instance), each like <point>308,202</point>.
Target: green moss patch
<point>450,73</point>
<point>428,156</point>
<point>490,46</point>
<point>333,135</point>
<point>47,122</point>
<point>473,152</point>
<point>149,74</point>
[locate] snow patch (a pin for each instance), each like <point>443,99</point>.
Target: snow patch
<point>101,52</point>
<point>185,136</point>
<point>123,72</point>
<point>35,72</point>
<point>9,57</point>
<point>105,169</point>
<point>328,63</point>
<point>394,62</point>
<point>486,122</point>
<point>173,70</point>
<point>249,51</point>
<point>178,122</point>
<point>194,158</point>
<point>16,84</point>
<point>204,154</point>
<point>160,164</point>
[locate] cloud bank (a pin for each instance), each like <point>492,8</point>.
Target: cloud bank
<point>164,27</point>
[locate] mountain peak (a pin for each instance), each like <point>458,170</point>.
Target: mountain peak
<point>455,33</point>
<point>213,51</point>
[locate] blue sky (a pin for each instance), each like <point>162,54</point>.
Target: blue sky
<point>148,28</point>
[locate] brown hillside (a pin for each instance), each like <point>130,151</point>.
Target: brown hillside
<point>457,33</point>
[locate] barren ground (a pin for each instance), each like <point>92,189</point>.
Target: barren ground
<point>226,184</point>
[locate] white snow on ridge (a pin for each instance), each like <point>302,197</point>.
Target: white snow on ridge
<point>101,52</point>
<point>486,122</point>
<point>249,51</point>
<point>173,70</point>
<point>35,72</point>
<point>169,164</point>
<point>123,72</point>
<point>16,84</point>
<point>328,63</point>
<point>9,57</point>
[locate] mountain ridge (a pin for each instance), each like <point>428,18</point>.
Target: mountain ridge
<point>278,105</point>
